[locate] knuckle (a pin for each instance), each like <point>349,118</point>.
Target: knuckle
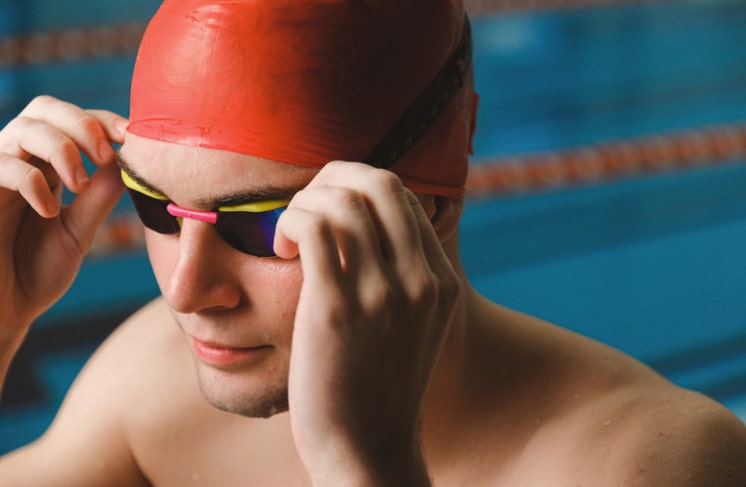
<point>331,165</point>
<point>67,148</point>
<point>41,101</point>
<point>422,287</point>
<point>317,227</point>
<point>89,124</point>
<point>329,169</point>
<point>17,124</point>
<point>31,178</point>
<point>39,104</point>
<point>428,288</point>
<point>386,180</point>
<point>102,117</point>
<point>383,297</point>
<point>346,199</point>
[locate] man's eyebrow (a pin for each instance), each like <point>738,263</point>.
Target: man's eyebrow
<point>249,196</point>
<point>124,166</point>
<point>264,193</point>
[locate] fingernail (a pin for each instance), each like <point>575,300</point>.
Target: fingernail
<point>120,125</point>
<point>50,204</point>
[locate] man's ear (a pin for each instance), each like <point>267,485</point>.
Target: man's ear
<point>444,214</point>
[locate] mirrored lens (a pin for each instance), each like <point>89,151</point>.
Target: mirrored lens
<point>251,233</point>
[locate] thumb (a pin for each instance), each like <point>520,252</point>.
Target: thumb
<point>284,246</point>
<point>89,209</point>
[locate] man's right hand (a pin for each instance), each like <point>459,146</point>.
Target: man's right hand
<point>42,243</point>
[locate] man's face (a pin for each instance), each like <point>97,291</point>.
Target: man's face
<point>236,310</point>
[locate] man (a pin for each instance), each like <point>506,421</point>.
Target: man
<point>340,344</point>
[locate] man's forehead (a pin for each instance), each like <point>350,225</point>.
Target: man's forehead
<point>168,168</point>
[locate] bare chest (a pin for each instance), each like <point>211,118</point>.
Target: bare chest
<point>217,450</point>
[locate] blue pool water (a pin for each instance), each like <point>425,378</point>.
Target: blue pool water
<point>654,264</point>
<point>651,264</point>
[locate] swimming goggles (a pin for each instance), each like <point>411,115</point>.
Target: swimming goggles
<point>247,227</point>
<point>250,227</point>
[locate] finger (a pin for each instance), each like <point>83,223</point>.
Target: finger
<point>34,138</point>
<point>388,203</point>
<point>350,221</point>
<point>431,245</point>
<point>27,136</point>
<point>29,181</point>
<point>415,252</point>
<point>308,234</point>
<point>114,125</point>
<point>89,210</point>
<point>439,265</point>
<point>85,128</point>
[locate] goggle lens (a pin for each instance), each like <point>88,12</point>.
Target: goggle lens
<point>153,213</point>
<point>251,232</point>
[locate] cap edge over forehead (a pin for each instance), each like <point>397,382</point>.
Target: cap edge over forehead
<point>239,76</point>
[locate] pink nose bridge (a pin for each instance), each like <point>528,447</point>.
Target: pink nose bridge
<point>203,216</point>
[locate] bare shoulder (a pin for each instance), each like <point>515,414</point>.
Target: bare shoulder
<point>656,434</point>
<point>644,431</point>
<point>140,353</point>
<point>604,418</point>
<point>89,441</point>
<point>131,416</point>
<point>708,443</point>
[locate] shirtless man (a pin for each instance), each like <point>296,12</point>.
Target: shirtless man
<point>399,373</point>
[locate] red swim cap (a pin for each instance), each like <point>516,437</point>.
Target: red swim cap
<point>310,81</point>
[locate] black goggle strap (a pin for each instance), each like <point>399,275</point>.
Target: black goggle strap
<point>427,107</point>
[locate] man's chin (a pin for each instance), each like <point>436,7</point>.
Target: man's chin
<point>246,399</point>
<point>264,406</point>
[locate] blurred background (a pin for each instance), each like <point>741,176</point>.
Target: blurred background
<point>607,191</point>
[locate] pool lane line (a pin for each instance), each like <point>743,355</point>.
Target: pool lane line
<point>71,45</point>
<point>486,7</point>
<point>606,161</point>
<point>112,40</point>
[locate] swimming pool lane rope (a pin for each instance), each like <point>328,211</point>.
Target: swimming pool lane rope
<point>607,161</point>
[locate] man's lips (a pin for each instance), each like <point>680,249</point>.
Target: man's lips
<point>224,356</point>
